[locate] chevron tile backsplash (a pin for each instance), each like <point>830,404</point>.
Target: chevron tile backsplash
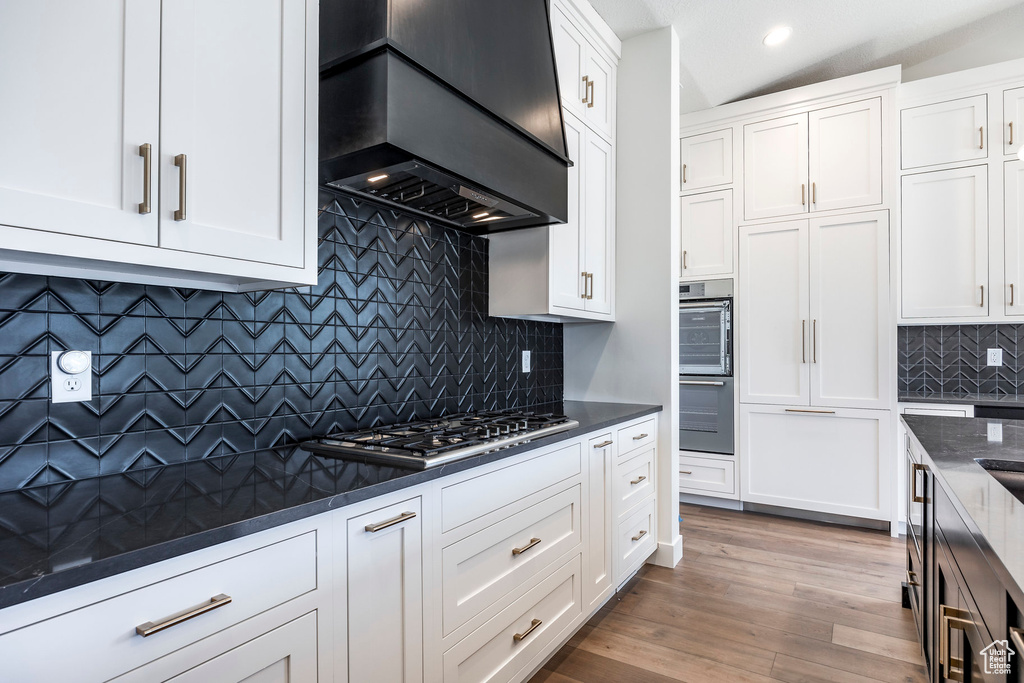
<point>950,359</point>
<point>396,329</point>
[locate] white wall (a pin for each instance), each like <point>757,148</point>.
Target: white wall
<point>635,360</point>
<point>1002,45</point>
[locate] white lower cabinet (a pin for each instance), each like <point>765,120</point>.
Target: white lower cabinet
<point>707,476</point>
<point>635,539</point>
<point>834,461</point>
<point>597,565</point>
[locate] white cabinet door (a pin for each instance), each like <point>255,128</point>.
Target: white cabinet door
<point>570,60</point>
<point>1013,120</point>
<point>846,155</point>
<point>945,132</point>
<point>944,244</point>
<point>598,241</point>
<point>566,241</point>
<point>385,595</point>
<point>775,167</point>
<point>773,304</point>
<point>600,82</point>
<point>850,337</point>
<point>232,107</point>
<point>597,569</point>
<point>1013,196</point>
<point>706,160</point>
<point>826,461</point>
<point>81,94</point>
<point>706,236</point>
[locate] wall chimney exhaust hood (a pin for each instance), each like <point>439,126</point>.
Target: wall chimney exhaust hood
<point>448,109</point>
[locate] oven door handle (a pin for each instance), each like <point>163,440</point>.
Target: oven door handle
<point>700,383</point>
<point>713,305</point>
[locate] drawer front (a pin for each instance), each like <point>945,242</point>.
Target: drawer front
<point>480,569</point>
<point>634,480</point>
<point>473,498</point>
<point>707,474</point>
<point>101,638</point>
<point>635,540</point>
<point>499,650</point>
<point>637,436</point>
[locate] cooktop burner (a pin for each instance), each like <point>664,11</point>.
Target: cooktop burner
<point>419,445</point>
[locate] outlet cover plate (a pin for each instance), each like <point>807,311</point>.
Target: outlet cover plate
<point>995,357</point>
<point>65,388</point>
<point>526,361</point>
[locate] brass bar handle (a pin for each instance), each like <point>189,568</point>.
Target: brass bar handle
<point>149,628</point>
<point>520,551</point>
<point>814,193</point>
<point>1011,293</point>
<point>586,88</point>
<point>180,161</point>
<point>814,341</point>
<point>960,620</point>
<point>404,517</point>
<point>639,479</point>
<point>643,532</point>
<point>813,412</point>
<point>1011,142</point>
<point>590,86</point>
<point>590,286</point>
<point>533,626</point>
<point>584,276</point>
<point>914,469</point>
<point>700,383</point>
<point>982,296</point>
<point>803,194</point>
<point>910,578</point>
<point>641,436</point>
<point>1017,636</point>
<point>685,472</point>
<point>803,341</point>
<point>981,137</point>
<point>603,444</point>
<point>146,152</point>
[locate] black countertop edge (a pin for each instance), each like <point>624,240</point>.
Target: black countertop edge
<point>953,444</point>
<point>45,580</point>
<point>968,399</point>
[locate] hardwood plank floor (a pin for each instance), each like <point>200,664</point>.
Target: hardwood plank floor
<point>759,599</point>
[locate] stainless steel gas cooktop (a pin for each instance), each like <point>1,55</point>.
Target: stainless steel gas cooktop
<point>419,445</point>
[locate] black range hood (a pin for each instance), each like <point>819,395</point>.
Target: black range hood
<point>446,108</point>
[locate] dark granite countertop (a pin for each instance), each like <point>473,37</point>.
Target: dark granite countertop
<point>965,399</point>
<point>992,513</point>
<point>64,535</point>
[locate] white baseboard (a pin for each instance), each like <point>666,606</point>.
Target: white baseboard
<point>710,501</point>
<point>668,554</point>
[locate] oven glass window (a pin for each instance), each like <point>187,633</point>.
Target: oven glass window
<point>698,409</point>
<point>703,339</point>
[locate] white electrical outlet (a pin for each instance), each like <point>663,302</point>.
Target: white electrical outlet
<point>71,376</point>
<point>995,431</point>
<point>995,357</point>
<point>526,361</point>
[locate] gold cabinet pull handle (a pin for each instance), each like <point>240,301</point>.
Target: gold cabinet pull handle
<point>960,620</point>
<point>910,578</point>
<point>149,628</point>
<point>813,412</point>
<point>814,193</point>
<point>1011,293</point>
<point>982,296</point>
<point>586,88</point>
<point>639,479</point>
<point>641,436</point>
<point>590,87</point>
<point>981,137</point>
<point>533,626</point>
<point>1011,142</point>
<point>180,161</point>
<point>803,341</point>
<point>520,551</point>
<point>404,517</point>
<point>803,194</point>
<point>584,276</point>
<point>590,286</point>
<point>146,152</point>
<point>1017,636</point>
<point>814,340</point>
<point>1011,133</point>
<point>643,532</point>
<point>603,444</point>
<point>914,469</point>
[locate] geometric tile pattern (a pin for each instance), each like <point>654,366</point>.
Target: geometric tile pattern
<point>951,360</point>
<point>395,329</point>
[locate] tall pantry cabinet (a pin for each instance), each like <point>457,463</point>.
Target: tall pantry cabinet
<point>809,209</point>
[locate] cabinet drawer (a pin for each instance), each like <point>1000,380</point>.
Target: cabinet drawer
<point>637,436</point>
<point>634,480</point>
<point>635,539</point>
<point>493,654</point>
<point>706,474</point>
<point>473,498</point>
<point>478,570</point>
<point>101,638</point>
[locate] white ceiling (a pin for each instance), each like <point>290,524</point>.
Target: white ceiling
<point>723,59</point>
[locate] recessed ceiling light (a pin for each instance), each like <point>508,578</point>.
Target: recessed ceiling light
<point>375,178</point>
<point>777,35</point>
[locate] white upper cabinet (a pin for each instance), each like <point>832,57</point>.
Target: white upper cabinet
<point>231,136</point>
<point>567,245</point>
<point>846,155</point>
<point>945,132</point>
<point>706,160</point>
<point>599,78</point>
<point>81,93</point>
<point>1013,120</point>
<point>944,261</point>
<point>706,238</point>
<point>598,236</point>
<point>775,167</point>
<point>1013,179</point>
<point>773,303</point>
<point>826,159</point>
<point>586,78</point>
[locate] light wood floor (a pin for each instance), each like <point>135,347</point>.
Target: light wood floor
<point>756,598</point>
